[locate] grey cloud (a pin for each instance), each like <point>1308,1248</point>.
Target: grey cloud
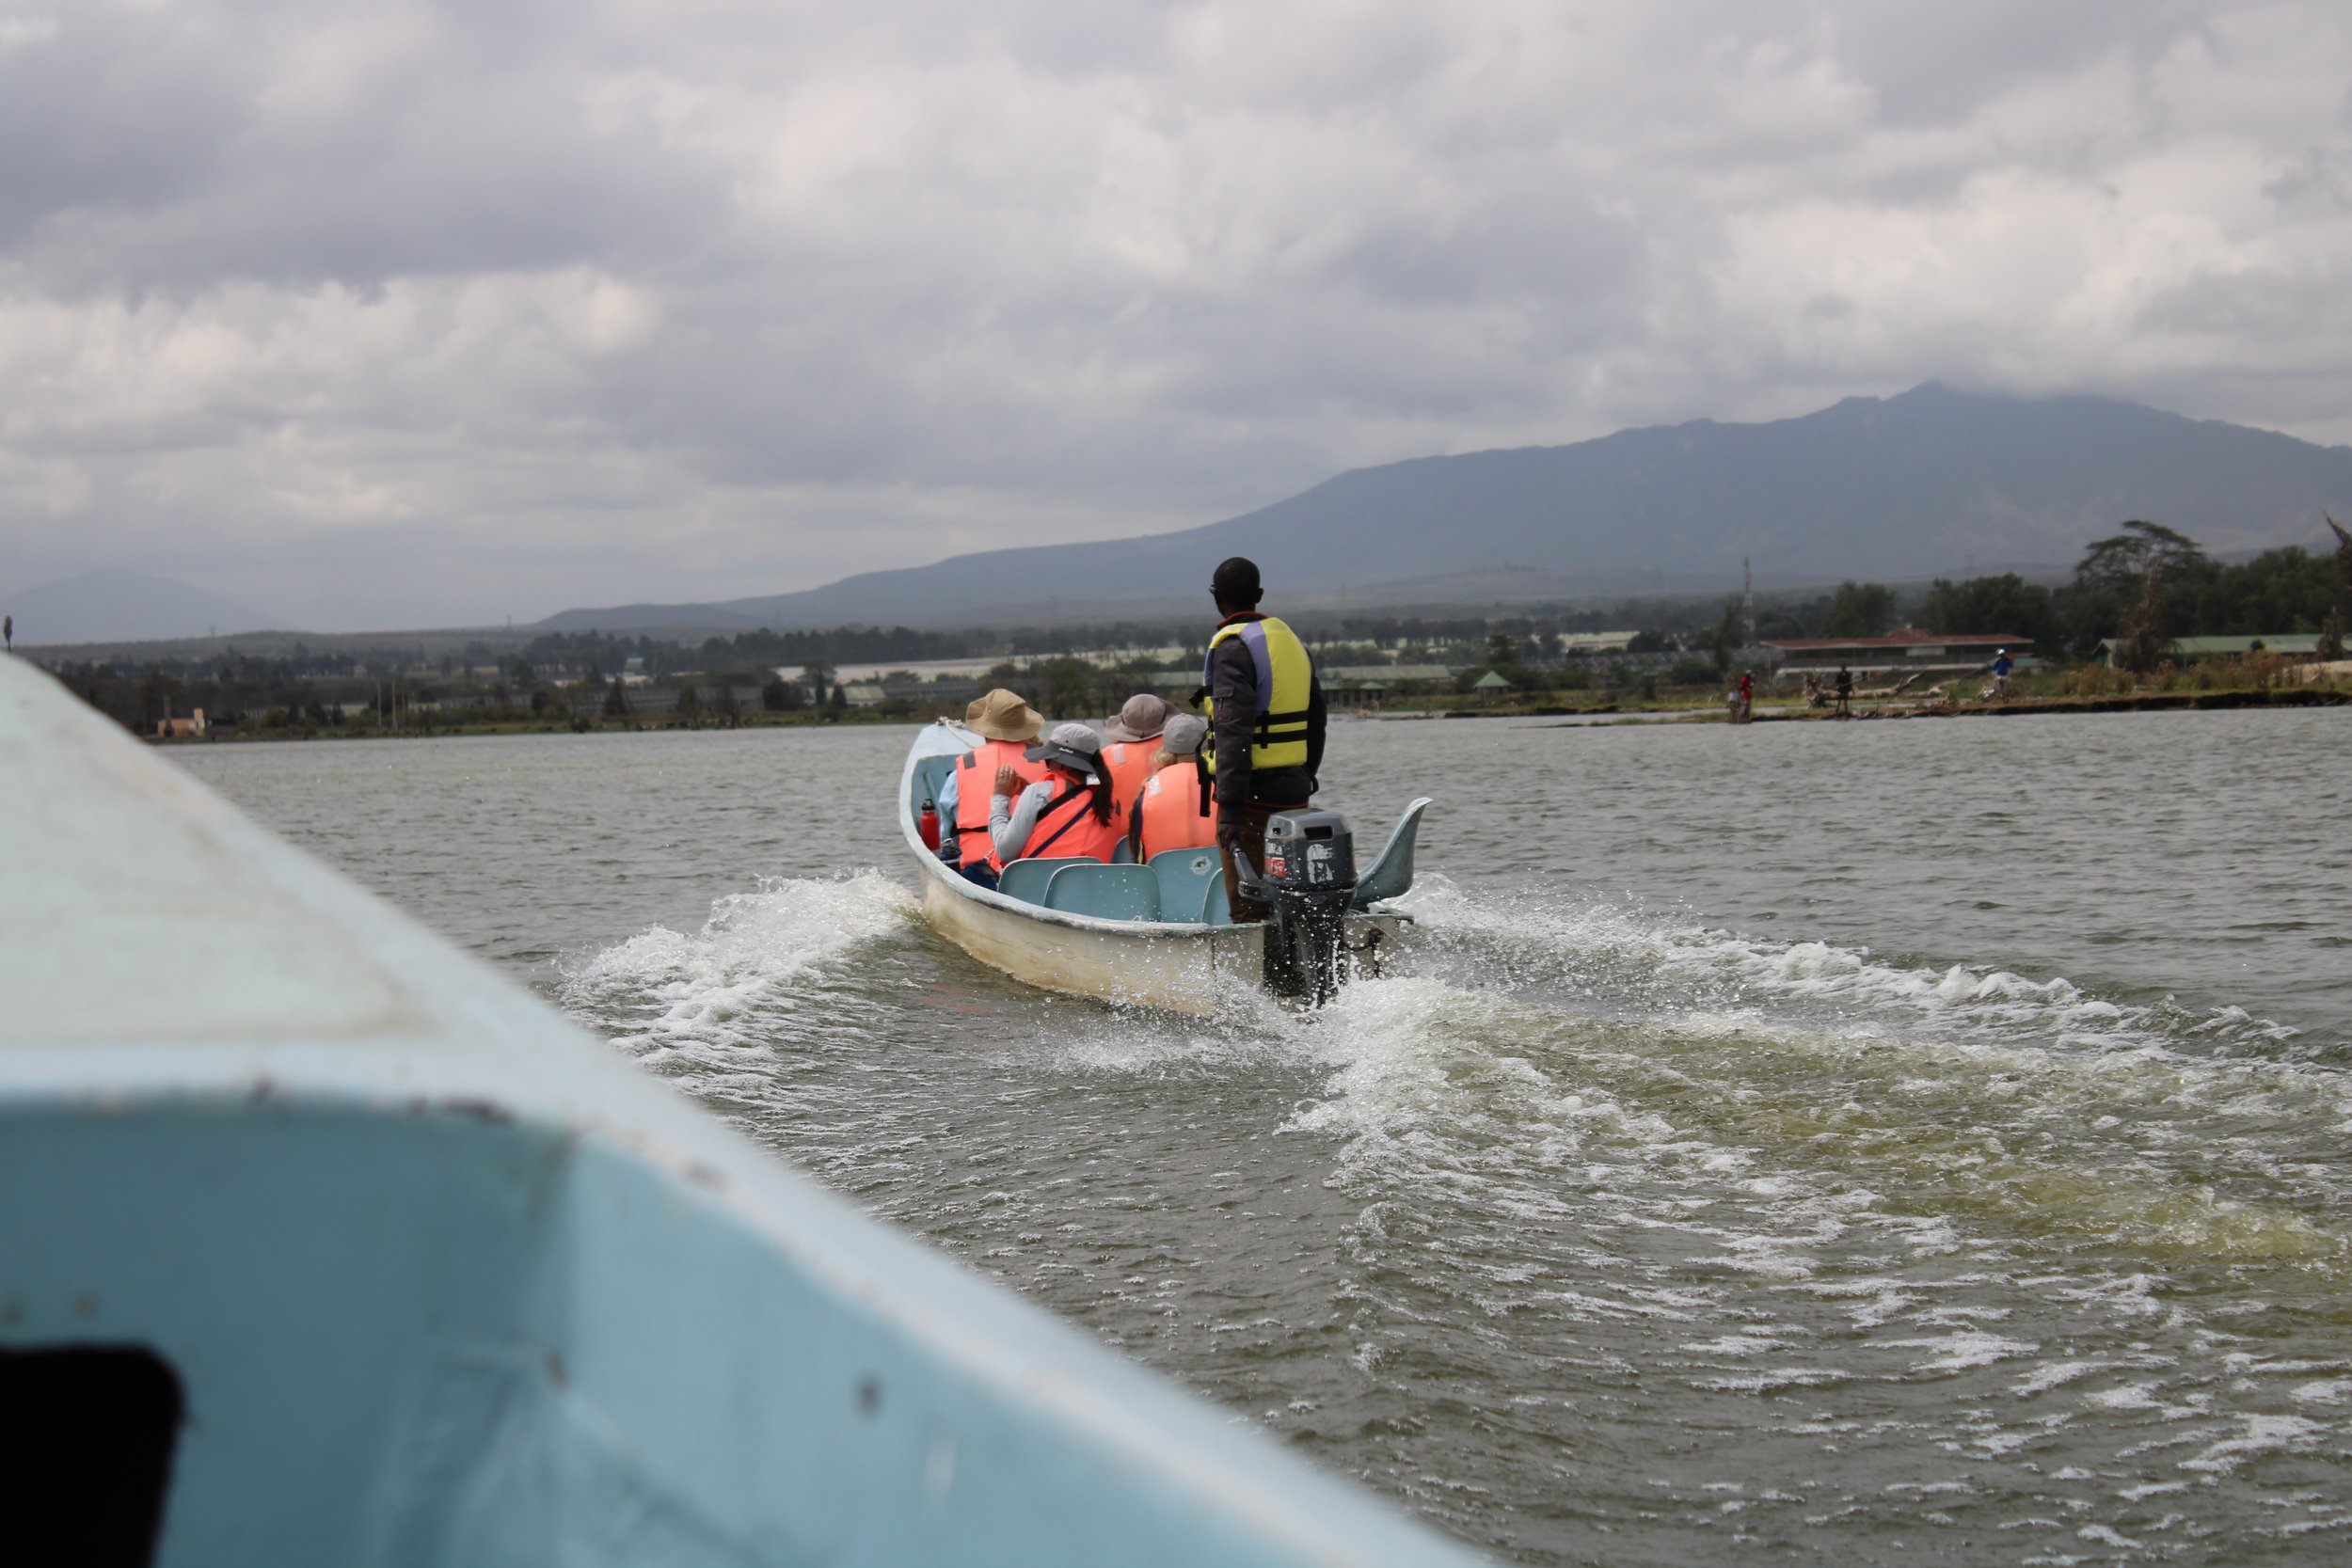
<point>412,311</point>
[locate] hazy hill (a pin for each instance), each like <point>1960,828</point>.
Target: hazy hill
<point>114,605</point>
<point>1934,480</point>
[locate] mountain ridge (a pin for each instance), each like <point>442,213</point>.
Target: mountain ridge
<point>1930,482</point>
<point>112,603</point>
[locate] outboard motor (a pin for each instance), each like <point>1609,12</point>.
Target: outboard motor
<point>1307,882</point>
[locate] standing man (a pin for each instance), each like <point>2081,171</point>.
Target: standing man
<point>1845,692</point>
<point>8,631</point>
<point>1265,722</point>
<point>2002,665</point>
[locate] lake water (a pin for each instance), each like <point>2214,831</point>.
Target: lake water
<point>1918,1142</point>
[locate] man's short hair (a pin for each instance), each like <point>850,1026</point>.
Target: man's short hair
<point>1235,583</point>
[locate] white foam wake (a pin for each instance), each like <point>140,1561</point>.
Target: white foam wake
<point>1610,954</point>
<point>753,962</point>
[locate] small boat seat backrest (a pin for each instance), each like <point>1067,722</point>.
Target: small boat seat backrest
<point>1213,910</point>
<point>1391,875</point>
<point>1184,876</point>
<point>930,777</point>
<point>1104,892</point>
<point>1027,880</point>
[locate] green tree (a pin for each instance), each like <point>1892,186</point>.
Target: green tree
<point>1860,610</point>
<point>724,705</point>
<point>2122,560</point>
<point>1501,652</point>
<point>2113,575</point>
<point>2005,606</point>
<point>1068,686</point>
<point>616,700</point>
<point>156,694</point>
<point>814,675</point>
<point>1730,633</point>
<point>690,706</point>
<point>783,696</point>
<point>2143,637</point>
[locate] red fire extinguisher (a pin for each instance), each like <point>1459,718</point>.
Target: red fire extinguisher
<point>928,825</point>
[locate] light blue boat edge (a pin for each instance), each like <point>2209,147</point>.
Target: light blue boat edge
<point>463,1286</point>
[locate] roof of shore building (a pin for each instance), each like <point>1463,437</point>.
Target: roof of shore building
<point>2207,647</point>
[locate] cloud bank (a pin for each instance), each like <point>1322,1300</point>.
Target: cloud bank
<point>391,314</point>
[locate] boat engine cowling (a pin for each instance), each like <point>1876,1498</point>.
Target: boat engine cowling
<point>1307,881</point>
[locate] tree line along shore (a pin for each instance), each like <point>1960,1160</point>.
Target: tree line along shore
<point>2112,635</point>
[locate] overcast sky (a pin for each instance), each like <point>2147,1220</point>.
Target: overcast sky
<point>384,313</point>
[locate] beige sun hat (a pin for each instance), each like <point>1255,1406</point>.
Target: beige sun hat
<point>1003,716</point>
<point>1139,718</point>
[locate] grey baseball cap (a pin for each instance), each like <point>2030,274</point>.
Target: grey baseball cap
<point>1183,733</point>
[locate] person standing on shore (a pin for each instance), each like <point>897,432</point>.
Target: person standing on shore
<point>1845,692</point>
<point>2002,665</point>
<point>1265,722</point>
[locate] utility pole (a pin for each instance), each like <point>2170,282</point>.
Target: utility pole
<point>1747,598</point>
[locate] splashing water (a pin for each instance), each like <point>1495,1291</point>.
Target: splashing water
<point>2027,1258</point>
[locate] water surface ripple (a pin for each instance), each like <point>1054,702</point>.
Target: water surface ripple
<point>1848,1144</point>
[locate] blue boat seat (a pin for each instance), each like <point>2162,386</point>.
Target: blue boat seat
<point>1215,911</point>
<point>1391,874</point>
<point>1123,853</point>
<point>1104,892</point>
<point>1183,877</point>
<point>1027,880</point>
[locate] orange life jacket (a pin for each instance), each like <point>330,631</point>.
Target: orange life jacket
<point>1177,812</point>
<point>1067,825</point>
<point>976,781</point>
<point>1129,762</point>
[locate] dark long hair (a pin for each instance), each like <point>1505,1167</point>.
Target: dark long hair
<point>1100,784</point>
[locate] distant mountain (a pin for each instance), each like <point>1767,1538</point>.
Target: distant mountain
<point>652,617</point>
<point>111,604</point>
<point>1934,480</point>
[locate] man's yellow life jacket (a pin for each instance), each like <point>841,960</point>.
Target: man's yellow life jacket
<point>1285,684</point>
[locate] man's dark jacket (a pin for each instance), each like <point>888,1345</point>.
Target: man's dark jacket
<point>1233,684</point>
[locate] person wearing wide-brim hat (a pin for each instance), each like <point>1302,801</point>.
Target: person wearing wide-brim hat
<point>1002,715</point>
<point>1130,742</point>
<point>1006,724</point>
<point>1067,814</point>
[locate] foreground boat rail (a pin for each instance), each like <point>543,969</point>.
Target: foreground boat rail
<point>401,1267</point>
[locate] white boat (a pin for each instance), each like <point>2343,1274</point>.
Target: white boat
<point>1154,936</point>
<point>323,1242</point>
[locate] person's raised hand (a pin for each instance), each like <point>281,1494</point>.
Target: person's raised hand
<point>1008,781</point>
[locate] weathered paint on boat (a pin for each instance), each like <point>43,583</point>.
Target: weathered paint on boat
<point>445,1280</point>
<point>1183,966</point>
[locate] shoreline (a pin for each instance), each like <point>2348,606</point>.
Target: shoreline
<point>1579,717</point>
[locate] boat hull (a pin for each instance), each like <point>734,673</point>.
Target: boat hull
<point>1185,967</point>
